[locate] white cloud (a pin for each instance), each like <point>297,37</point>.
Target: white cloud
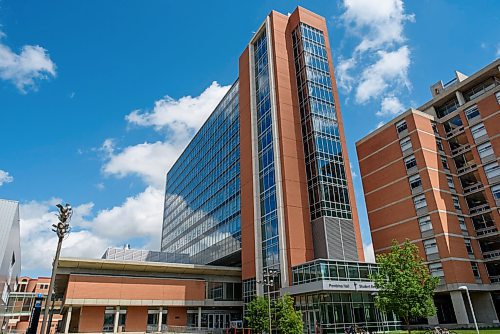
<point>138,216</point>
<point>380,61</point>
<point>24,69</point>
<point>497,54</point>
<point>378,23</point>
<point>181,115</point>
<point>390,106</point>
<point>181,118</point>
<point>149,161</point>
<point>5,177</point>
<point>369,253</point>
<point>391,68</point>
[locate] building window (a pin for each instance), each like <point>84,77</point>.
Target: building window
<point>449,179</point>
<point>475,270</point>
<point>468,246</point>
<point>456,202</point>
<point>478,131</point>
<point>496,192</point>
<point>405,144</point>
<point>439,145</point>
<point>430,246</point>
<point>415,181</point>
<point>420,201</point>
<point>461,223</point>
<point>444,162</point>
<point>498,97</point>
<point>472,112</point>
<point>425,223</point>
<point>492,170</point>
<point>485,150</point>
<point>401,126</point>
<point>109,319</point>
<point>410,162</point>
<point>436,269</point>
<point>434,127</point>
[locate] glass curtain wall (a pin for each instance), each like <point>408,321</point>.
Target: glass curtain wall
<point>202,201</point>
<point>328,195</point>
<point>267,165</point>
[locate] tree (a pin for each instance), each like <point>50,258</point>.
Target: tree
<point>288,320</point>
<point>404,283</point>
<point>257,314</point>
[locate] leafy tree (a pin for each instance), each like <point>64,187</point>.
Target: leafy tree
<point>288,320</point>
<point>405,284</point>
<point>257,314</point>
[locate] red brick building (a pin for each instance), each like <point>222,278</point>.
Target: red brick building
<point>431,175</point>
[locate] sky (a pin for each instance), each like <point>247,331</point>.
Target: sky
<point>98,98</point>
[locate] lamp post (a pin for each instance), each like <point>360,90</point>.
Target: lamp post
<point>463,287</point>
<point>268,276</point>
<point>62,230</point>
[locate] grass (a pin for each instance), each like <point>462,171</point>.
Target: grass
<point>461,331</point>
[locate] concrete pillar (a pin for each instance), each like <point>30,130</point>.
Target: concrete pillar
<point>117,318</point>
<point>160,319</point>
<point>68,320</point>
<point>199,317</point>
<point>459,307</point>
<point>484,307</point>
<point>460,98</point>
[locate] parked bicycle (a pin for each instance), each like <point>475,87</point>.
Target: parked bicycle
<point>439,330</point>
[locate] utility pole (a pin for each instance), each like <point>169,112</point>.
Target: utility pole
<point>62,230</point>
<point>268,281</point>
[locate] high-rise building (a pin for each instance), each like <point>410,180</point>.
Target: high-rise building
<point>10,252</point>
<point>266,183</point>
<point>431,175</point>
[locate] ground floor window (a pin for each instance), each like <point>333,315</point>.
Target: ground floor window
<point>332,312</point>
<point>154,320</point>
<point>109,319</point>
<point>213,318</point>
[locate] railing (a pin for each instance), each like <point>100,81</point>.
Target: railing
<point>495,279</point>
<point>486,231</point>
<point>460,149</point>
<point>472,188</point>
<point>479,208</point>
<point>466,168</point>
<point>491,255</point>
<point>455,131</point>
<point>450,83</point>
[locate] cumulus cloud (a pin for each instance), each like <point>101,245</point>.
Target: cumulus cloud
<point>25,68</point>
<point>378,23</point>
<point>390,106</point>
<point>180,115</point>
<point>380,61</point>
<point>5,177</point>
<point>391,67</point>
<point>181,118</point>
<point>369,253</point>
<point>139,216</point>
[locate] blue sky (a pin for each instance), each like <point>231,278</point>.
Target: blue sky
<point>97,98</point>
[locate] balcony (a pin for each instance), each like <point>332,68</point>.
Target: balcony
<point>464,162</point>
<point>447,108</point>
<point>453,126</point>
<point>471,182</point>
<point>492,255</point>
<point>459,144</point>
<point>481,89</point>
<point>487,231</point>
<point>495,279</point>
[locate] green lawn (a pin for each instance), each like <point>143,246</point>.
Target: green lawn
<point>462,331</point>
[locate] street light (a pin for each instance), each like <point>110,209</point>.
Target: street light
<point>268,280</point>
<point>463,287</point>
<point>62,229</point>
